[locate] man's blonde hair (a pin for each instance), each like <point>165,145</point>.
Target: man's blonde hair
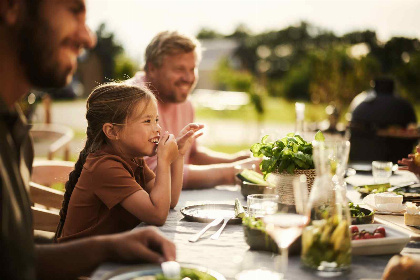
<point>170,43</point>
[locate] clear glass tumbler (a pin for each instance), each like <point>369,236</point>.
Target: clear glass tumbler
<point>260,205</point>
<point>381,171</point>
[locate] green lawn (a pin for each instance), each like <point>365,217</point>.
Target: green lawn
<point>276,110</point>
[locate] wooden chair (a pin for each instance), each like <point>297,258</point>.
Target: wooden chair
<point>58,136</point>
<point>47,201</point>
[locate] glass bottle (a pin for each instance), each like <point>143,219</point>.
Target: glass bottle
<point>326,240</point>
<point>300,118</point>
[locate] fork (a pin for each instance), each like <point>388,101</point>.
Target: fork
<point>217,234</point>
<point>197,236</point>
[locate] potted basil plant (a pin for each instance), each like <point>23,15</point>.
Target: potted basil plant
<point>285,159</point>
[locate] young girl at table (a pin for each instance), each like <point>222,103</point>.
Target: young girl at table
<point>111,188</point>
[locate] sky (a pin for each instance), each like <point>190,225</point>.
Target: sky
<point>135,22</point>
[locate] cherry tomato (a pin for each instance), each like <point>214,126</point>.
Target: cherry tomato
<point>381,230</point>
<point>378,235</point>
<point>354,229</point>
<point>355,237</point>
<point>367,235</point>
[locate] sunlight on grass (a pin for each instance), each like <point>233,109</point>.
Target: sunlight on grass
<point>277,110</point>
<point>229,149</point>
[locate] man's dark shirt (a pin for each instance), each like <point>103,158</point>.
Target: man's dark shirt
<point>16,155</point>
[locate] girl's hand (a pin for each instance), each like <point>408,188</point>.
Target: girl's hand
<point>187,136</point>
<point>167,148</point>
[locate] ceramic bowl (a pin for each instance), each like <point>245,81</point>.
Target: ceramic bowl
<point>248,188</point>
<point>363,220</point>
<point>258,240</point>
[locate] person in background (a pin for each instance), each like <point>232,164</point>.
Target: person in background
<point>412,162</point>
<point>171,61</point>
<point>111,188</point>
<point>39,44</point>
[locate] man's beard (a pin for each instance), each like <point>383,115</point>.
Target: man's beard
<point>38,54</point>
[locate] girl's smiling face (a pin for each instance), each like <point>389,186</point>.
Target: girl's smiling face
<point>141,133</point>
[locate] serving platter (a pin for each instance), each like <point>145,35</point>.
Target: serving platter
<point>207,212</point>
<point>393,243</point>
<point>134,271</point>
<point>409,192</point>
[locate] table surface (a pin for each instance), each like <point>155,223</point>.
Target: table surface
<point>226,254</point>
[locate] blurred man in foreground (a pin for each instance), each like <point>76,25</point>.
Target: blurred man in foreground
<point>39,44</point>
<point>170,70</point>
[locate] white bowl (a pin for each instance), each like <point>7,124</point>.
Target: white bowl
<point>393,243</point>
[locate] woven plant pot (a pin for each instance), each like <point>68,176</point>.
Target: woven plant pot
<point>283,183</point>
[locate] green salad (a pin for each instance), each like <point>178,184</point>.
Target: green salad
<point>253,223</point>
<point>357,212</point>
<point>377,188</point>
<point>186,274</point>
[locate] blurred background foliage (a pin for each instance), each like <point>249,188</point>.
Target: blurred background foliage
<point>301,62</point>
<point>307,63</point>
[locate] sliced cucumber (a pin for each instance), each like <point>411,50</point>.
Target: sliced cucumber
<point>252,177</point>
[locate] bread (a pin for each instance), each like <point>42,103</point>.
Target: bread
<point>412,216</point>
<point>402,268</point>
<point>412,219</point>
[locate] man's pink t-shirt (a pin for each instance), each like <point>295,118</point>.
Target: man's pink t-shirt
<point>173,117</point>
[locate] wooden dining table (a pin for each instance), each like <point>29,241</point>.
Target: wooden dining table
<point>227,254</point>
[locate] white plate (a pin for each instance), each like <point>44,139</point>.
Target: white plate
<point>393,243</point>
<point>130,272</point>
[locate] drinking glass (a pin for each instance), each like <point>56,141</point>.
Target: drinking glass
<point>286,225</point>
<point>381,171</point>
<point>300,118</point>
<point>260,205</point>
<point>259,265</point>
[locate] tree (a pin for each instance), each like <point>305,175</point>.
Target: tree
<point>241,32</point>
<point>235,80</point>
<point>303,61</point>
<point>107,48</point>
<point>125,68</point>
<point>207,33</point>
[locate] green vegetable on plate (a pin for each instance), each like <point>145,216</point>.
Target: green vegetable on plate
<point>377,188</point>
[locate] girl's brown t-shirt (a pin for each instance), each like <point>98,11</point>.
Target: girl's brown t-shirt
<point>106,180</point>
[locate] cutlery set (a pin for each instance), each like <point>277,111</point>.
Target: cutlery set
<point>214,223</point>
